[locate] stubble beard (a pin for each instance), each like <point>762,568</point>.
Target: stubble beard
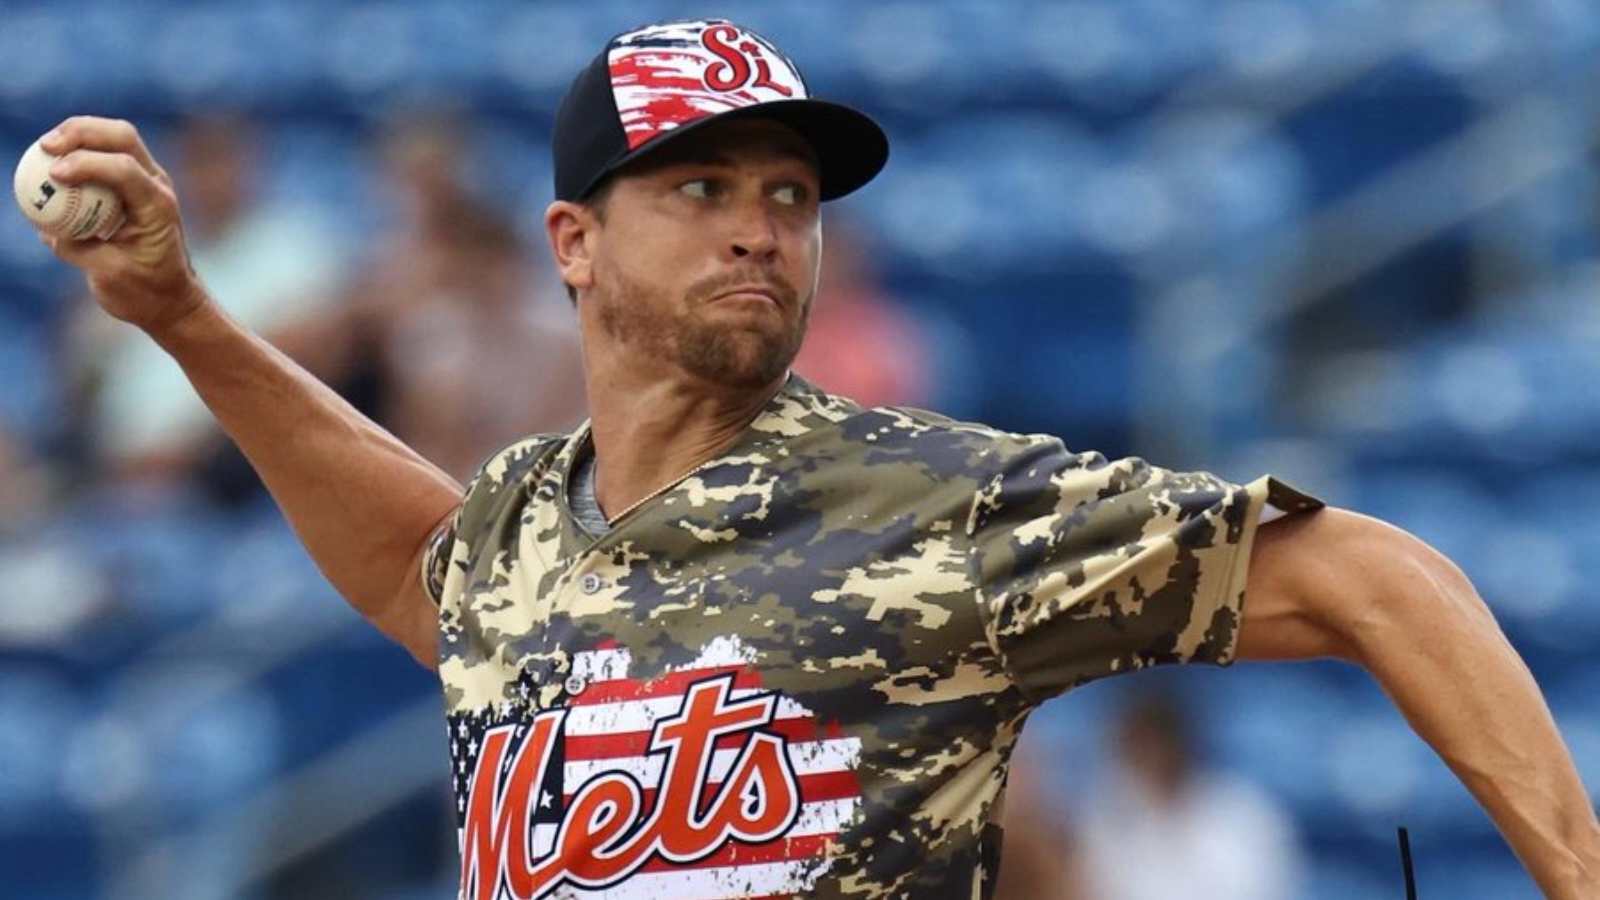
<point>734,356</point>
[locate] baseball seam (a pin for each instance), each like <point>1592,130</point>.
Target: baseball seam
<point>74,199</point>
<point>91,222</point>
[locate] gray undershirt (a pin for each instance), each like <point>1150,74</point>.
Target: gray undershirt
<point>585,507</point>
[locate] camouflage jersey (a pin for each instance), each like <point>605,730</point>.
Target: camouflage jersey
<point>801,670</point>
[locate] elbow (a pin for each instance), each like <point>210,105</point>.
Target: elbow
<point>415,630</point>
<point>426,657</point>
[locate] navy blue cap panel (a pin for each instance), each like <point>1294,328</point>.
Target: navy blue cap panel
<point>588,134</point>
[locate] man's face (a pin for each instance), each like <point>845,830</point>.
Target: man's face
<point>706,258</point>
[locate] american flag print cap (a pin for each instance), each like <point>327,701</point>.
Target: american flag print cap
<point>655,83</point>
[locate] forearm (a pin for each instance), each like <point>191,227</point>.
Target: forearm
<point>361,501</point>
<point>1437,651</point>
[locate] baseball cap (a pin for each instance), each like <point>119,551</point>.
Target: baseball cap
<point>651,85</point>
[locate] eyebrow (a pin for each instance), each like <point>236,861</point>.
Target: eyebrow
<point>710,156</point>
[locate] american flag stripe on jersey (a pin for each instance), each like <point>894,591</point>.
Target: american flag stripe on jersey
<point>666,76</point>
<point>607,729</point>
<point>610,726</point>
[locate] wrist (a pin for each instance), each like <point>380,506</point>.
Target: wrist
<point>181,317</point>
<point>1586,880</point>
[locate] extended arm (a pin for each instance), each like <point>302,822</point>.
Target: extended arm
<point>1339,584</point>
<point>362,502</point>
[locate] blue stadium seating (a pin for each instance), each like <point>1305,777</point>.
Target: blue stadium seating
<point>1057,170</point>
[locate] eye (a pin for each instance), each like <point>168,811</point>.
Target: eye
<point>699,188</point>
<point>789,194</point>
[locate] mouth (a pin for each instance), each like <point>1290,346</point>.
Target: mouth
<point>748,295</point>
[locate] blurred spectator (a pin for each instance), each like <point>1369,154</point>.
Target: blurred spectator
<point>275,269</point>
<point>1040,858</point>
<point>1161,824</point>
<point>471,355</point>
<point>29,483</point>
<point>861,343</point>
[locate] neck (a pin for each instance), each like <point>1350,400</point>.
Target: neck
<point>650,432</point>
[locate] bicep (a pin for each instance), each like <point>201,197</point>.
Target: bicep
<point>1311,582</point>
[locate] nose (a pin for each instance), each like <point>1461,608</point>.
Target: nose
<point>754,234</point>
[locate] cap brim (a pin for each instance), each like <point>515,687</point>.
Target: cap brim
<point>851,149</point>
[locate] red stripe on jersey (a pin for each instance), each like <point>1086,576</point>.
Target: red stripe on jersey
<point>672,684</point>
<point>637,743</point>
<point>737,854</point>
<point>813,788</point>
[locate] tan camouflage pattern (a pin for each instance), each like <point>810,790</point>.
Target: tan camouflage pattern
<point>922,582</point>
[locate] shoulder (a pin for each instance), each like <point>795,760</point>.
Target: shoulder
<point>1024,472</point>
<point>509,463</point>
<point>514,466</point>
<point>954,447</point>
<point>1022,468</point>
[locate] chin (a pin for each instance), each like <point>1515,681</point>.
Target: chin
<point>742,359</point>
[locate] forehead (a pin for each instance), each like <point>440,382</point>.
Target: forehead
<point>730,143</point>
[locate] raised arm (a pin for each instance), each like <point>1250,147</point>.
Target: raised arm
<point>363,503</point>
<point>1339,584</point>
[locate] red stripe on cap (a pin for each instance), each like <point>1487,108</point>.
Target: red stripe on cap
<point>660,114</point>
<point>646,70</point>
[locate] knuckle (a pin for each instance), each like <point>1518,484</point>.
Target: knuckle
<point>82,126</point>
<point>67,166</point>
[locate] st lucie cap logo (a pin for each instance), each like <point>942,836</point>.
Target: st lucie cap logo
<point>666,76</point>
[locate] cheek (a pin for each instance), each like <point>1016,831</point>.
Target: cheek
<point>661,254</point>
<point>633,256</point>
<point>810,258</point>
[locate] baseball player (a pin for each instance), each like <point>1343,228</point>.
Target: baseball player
<point>736,637</point>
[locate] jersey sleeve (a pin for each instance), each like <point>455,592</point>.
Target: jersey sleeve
<point>1088,567</point>
<point>436,558</point>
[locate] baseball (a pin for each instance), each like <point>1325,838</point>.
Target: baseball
<point>76,211</point>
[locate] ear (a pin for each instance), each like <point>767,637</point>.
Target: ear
<point>570,227</point>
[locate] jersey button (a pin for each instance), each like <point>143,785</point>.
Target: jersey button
<point>590,583</point>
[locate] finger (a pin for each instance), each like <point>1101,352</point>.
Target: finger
<point>86,255</point>
<point>142,195</point>
<point>96,133</point>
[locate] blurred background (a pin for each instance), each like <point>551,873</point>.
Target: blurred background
<point>1348,242</point>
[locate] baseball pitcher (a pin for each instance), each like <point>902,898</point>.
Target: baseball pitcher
<point>737,637</point>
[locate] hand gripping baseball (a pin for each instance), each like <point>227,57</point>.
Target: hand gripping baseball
<point>141,275</point>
